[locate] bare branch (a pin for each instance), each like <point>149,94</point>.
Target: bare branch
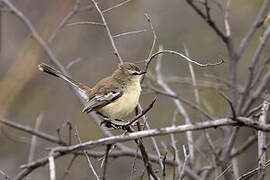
<point>133,165</point>
<point>252,172</point>
<point>116,53</point>
<point>197,98</point>
<point>5,175</point>
<point>69,166</point>
<point>185,162</point>
<point>262,141</point>
<point>208,20</point>
<point>34,139</point>
<point>52,166</point>
<point>164,131</point>
<point>90,165</point>
<point>223,172</point>
<point>194,106</point>
<point>86,23</point>
<point>65,20</point>
<point>175,153</point>
<point>105,164</point>
<point>226,19</point>
<point>116,6</point>
<point>154,38</point>
<point>247,144</point>
<point>250,79</point>
<point>129,33</point>
<point>259,20</point>
<point>68,66</point>
<point>178,104</point>
<point>29,130</point>
<point>183,56</point>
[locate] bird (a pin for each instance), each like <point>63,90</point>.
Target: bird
<point>113,97</point>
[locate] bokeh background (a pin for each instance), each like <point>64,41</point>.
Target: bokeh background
<point>25,92</point>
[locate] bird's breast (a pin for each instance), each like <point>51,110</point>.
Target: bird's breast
<point>123,105</point>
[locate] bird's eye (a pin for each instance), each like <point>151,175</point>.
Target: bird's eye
<point>135,73</point>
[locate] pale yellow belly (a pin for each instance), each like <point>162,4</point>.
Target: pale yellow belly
<point>124,105</point>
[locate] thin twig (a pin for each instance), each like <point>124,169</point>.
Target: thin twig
<point>133,165</point>
<point>178,105</point>
<point>129,33</point>
<point>65,20</point>
<point>226,19</point>
<point>105,164</point>
<point>71,63</point>
<point>90,165</point>
<point>183,56</point>
<point>181,175</point>
<point>145,156</point>
<point>5,175</point>
<point>30,130</point>
<point>69,166</point>
<point>34,140</point>
<point>154,37</point>
<point>183,100</point>
<point>153,44</point>
<point>208,19</point>
<point>250,79</point>
<point>247,144</point>
<point>164,166</point>
<point>197,98</point>
<point>174,146</point>
<point>256,24</point>
<point>174,158</point>
<point>252,172</point>
<point>223,172</point>
<point>116,53</point>
<point>86,23</point>
<point>116,6</point>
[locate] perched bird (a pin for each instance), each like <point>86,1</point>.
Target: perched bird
<point>113,97</point>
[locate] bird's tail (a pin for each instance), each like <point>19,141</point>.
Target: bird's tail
<point>83,90</point>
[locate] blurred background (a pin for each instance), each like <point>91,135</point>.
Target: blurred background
<point>25,92</point>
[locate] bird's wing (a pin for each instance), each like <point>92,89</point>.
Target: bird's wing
<point>101,100</point>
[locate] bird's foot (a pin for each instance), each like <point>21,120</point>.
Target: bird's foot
<point>115,123</point>
<point>112,123</point>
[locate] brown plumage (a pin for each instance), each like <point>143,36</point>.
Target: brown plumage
<point>113,97</point>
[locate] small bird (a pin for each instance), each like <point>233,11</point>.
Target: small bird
<point>113,97</point>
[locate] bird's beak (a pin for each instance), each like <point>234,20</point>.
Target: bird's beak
<point>142,72</point>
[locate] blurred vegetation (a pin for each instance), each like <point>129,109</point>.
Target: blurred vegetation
<point>25,92</point>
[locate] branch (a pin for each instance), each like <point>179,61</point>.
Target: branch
<point>116,6</point>
<point>86,23</point>
<point>164,131</point>
<point>252,172</point>
<point>183,56</point>
<point>262,141</point>
<point>208,20</point>
<point>256,24</point>
<point>34,139</point>
<point>5,175</point>
<point>30,130</point>
<point>194,106</point>
<point>178,104</point>
<point>255,60</point>
<point>90,165</point>
<point>116,53</point>
<point>65,20</point>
